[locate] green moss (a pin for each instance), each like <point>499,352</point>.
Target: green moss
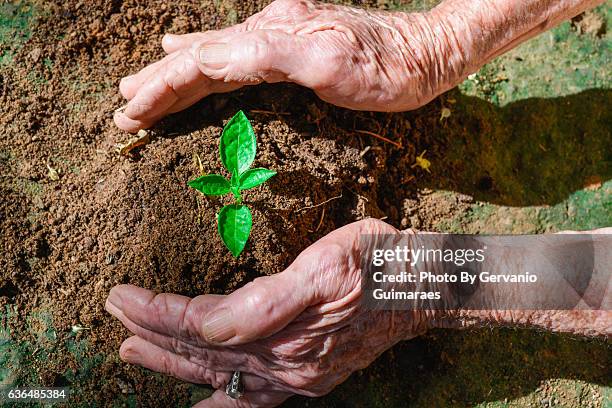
<point>556,63</point>
<point>583,210</point>
<point>38,350</point>
<point>15,21</point>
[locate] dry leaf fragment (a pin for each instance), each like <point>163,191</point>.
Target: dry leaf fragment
<point>444,113</point>
<point>142,138</point>
<point>52,173</point>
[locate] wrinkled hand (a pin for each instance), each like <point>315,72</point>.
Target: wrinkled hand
<point>366,60</point>
<point>302,331</point>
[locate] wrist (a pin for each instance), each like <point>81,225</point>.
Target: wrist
<point>473,33</point>
<point>567,292</point>
<point>434,55</point>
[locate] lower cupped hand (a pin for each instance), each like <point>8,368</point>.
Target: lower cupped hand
<point>302,331</point>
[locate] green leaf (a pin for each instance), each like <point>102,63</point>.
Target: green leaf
<point>235,222</point>
<point>211,184</point>
<point>254,177</point>
<point>238,146</point>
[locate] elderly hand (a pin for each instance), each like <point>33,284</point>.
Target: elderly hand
<point>350,57</point>
<point>355,58</point>
<point>302,331</point>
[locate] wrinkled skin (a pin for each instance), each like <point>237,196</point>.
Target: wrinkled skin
<point>302,331</point>
<point>350,57</point>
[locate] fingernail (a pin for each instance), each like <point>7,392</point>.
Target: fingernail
<point>218,326</point>
<point>127,78</point>
<point>215,56</point>
<point>115,298</point>
<point>128,354</point>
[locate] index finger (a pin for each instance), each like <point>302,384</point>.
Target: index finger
<point>172,315</point>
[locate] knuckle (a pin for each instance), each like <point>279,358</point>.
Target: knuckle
<point>203,375</point>
<point>179,347</point>
<point>166,364</point>
<point>306,378</point>
<point>209,358</point>
<point>218,380</point>
<point>331,63</point>
<point>330,254</point>
<point>291,7</point>
<point>137,110</point>
<point>376,226</point>
<point>258,49</point>
<point>159,303</point>
<point>181,74</point>
<point>261,299</point>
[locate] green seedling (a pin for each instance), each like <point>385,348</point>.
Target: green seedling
<point>237,149</point>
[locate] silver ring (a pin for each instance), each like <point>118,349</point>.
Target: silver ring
<point>234,388</point>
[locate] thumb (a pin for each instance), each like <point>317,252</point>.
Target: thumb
<point>258,56</point>
<point>259,309</point>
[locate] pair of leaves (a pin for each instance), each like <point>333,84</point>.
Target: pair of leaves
<point>215,184</point>
<point>237,150</point>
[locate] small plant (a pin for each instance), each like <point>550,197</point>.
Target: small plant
<point>237,149</point>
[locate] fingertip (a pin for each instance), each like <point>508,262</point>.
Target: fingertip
<point>169,43</point>
<point>111,308</point>
<point>128,351</point>
<point>114,299</point>
<point>129,125</point>
<point>127,87</point>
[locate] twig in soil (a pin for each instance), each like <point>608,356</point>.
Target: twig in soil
<point>358,195</point>
<point>78,328</point>
<point>198,162</point>
<point>408,179</point>
<point>376,135</point>
<point>320,204</point>
<point>266,112</point>
<point>320,221</point>
<point>52,173</point>
<point>364,151</point>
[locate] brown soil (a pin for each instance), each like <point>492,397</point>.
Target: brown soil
<point>111,219</point>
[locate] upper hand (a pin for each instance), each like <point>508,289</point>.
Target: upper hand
<point>302,331</point>
<point>350,57</point>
